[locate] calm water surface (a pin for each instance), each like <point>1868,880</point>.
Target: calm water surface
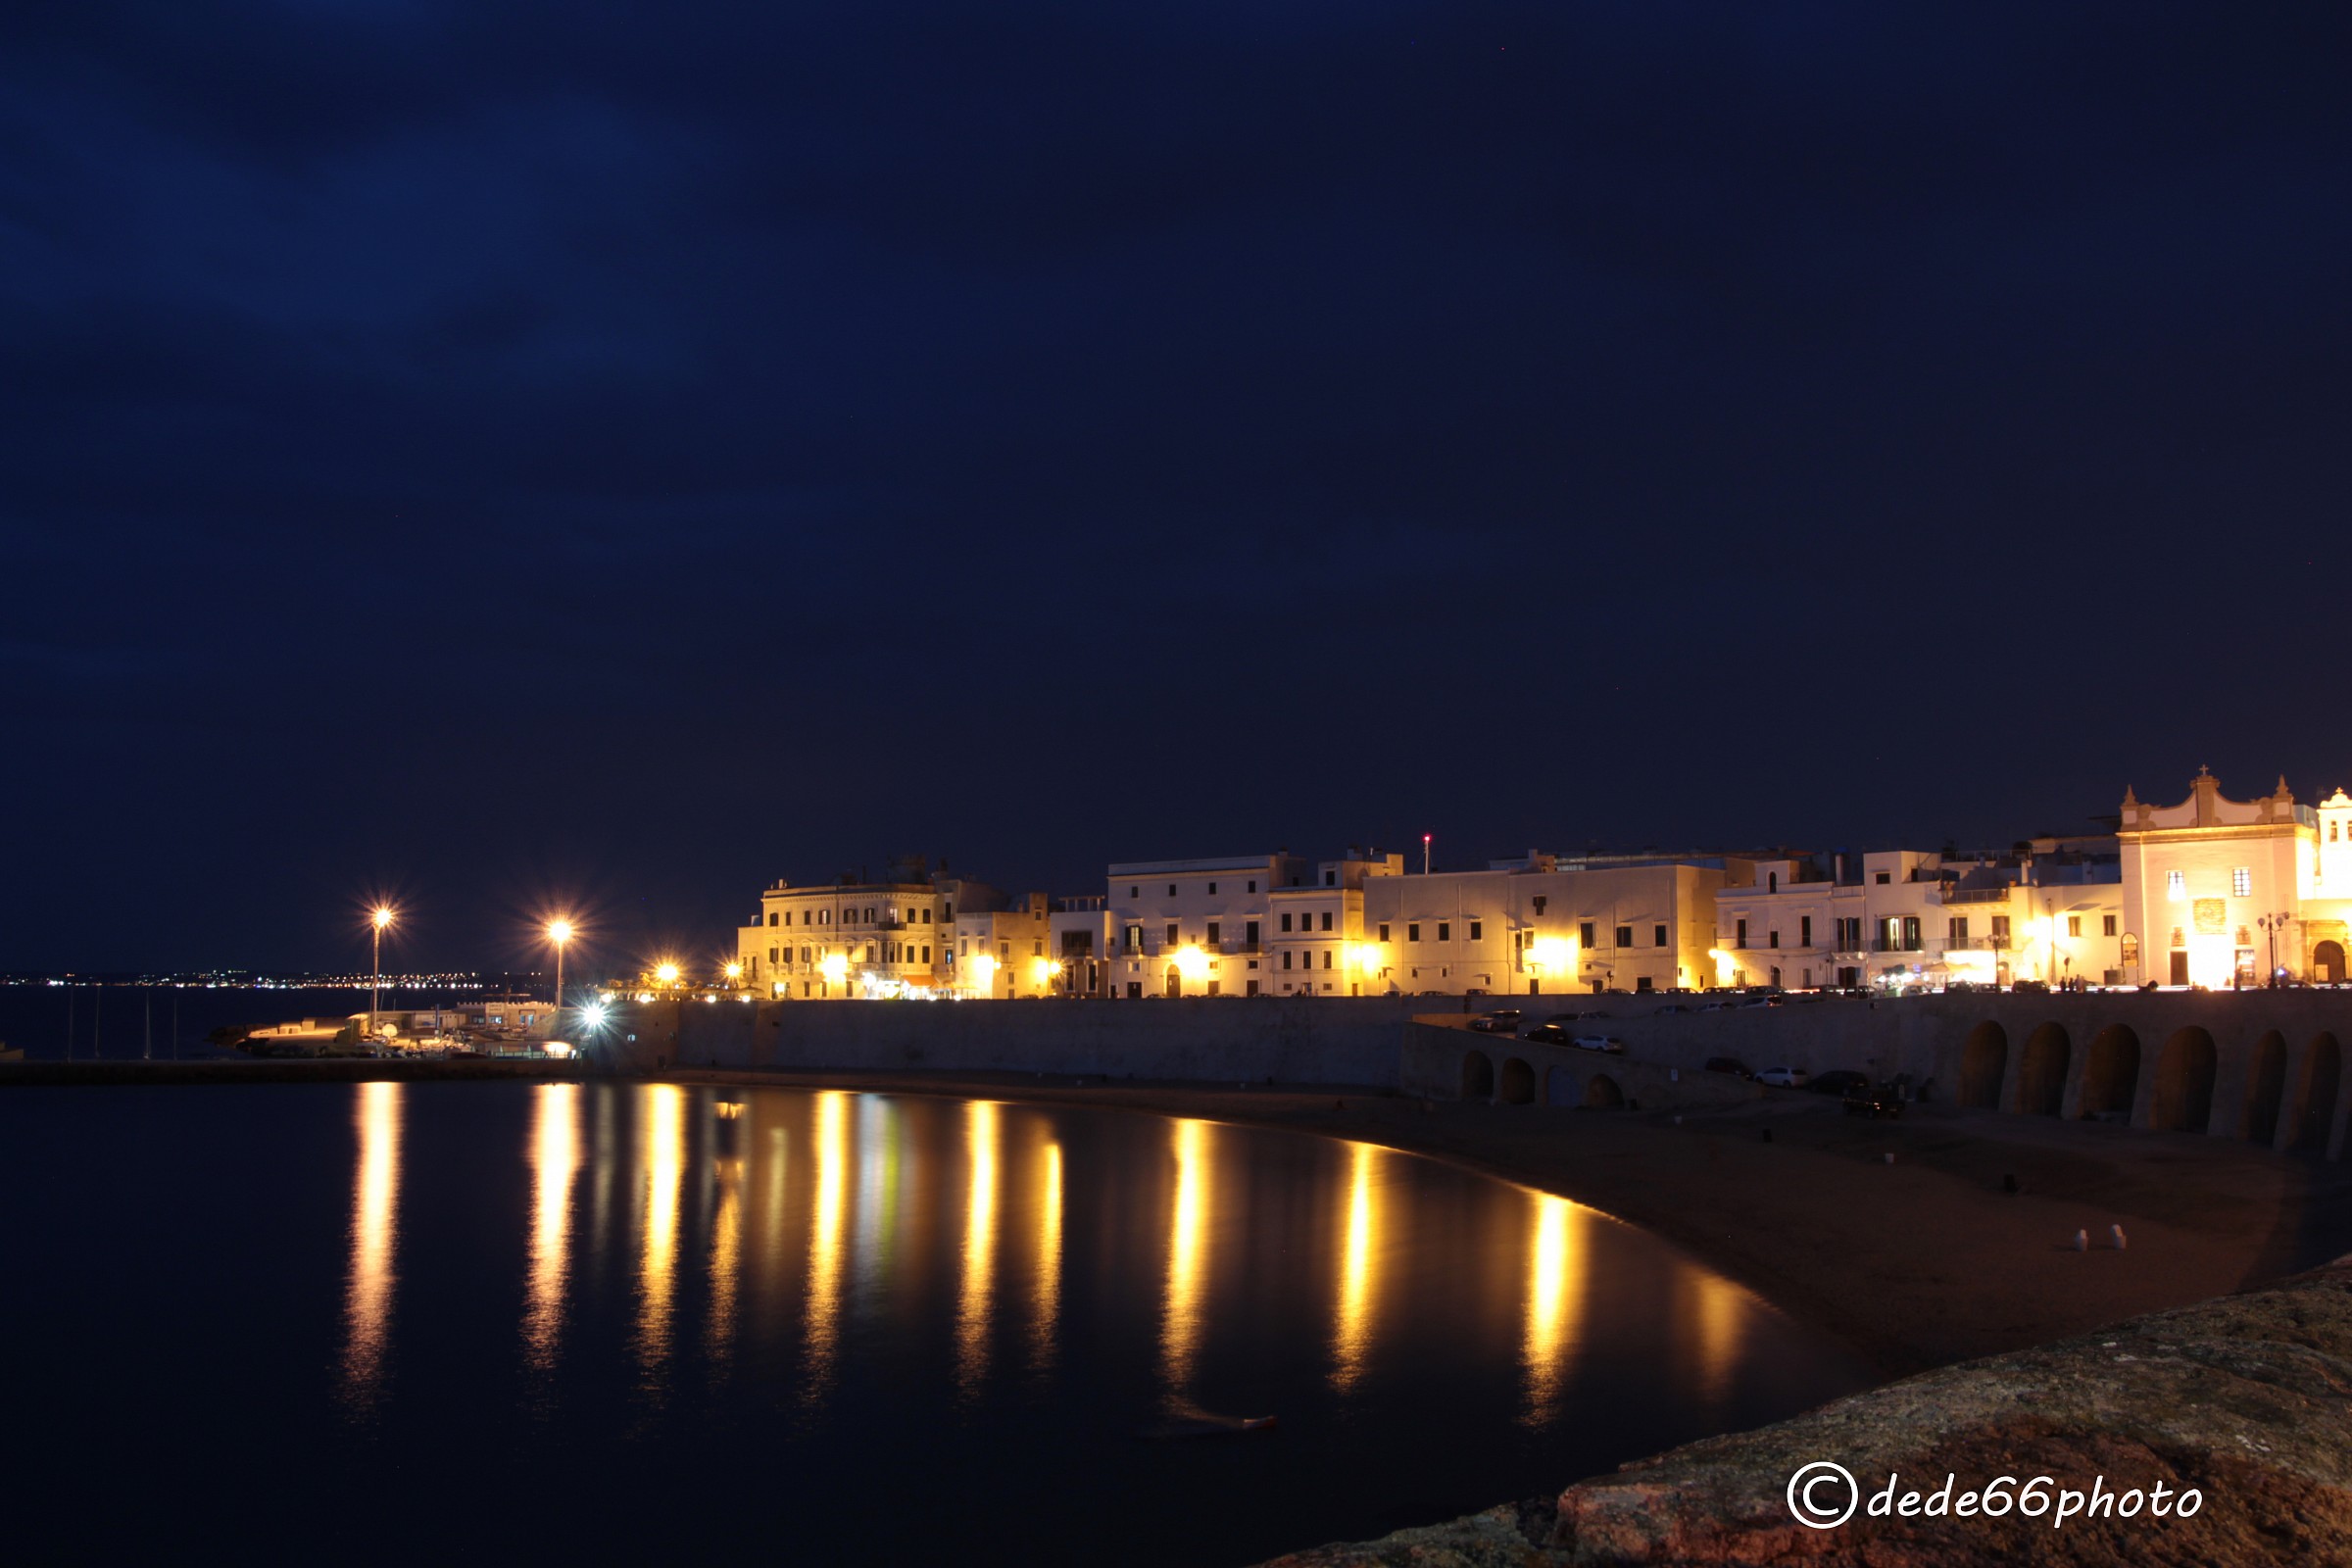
<point>648,1322</point>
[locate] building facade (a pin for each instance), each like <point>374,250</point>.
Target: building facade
<point>2220,893</point>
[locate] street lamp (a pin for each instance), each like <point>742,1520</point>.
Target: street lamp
<point>734,976</point>
<point>2273,924</point>
<point>559,931</point>
<point>380,918</point>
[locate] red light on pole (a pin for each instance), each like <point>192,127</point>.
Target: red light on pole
<point>1425,853</point>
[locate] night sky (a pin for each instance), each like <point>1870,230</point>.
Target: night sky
<point>532,452</point>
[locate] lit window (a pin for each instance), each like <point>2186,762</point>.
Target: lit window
<point>2241,882</point>
<point>2175,885</point>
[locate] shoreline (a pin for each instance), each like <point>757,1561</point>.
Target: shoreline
<point>1911,1265</point>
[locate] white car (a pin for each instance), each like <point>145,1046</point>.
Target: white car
<point>1785,1077</point>
<point>1608,1043</point>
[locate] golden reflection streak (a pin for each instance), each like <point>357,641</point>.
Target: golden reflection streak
<point>1352,1335</point>
<point>1722,1311</point>
<point>665,1171</point>
<point>1555,1289</point>
<point>554,1164</point>
<point>374,1235</point>
<point>1045,1297</point>
<point>726,1259</point>
<point>1180,1330</point>
<point>979,1246</point>
<point>824,1236</point>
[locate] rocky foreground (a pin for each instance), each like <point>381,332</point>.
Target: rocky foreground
<point>2246,1401</point>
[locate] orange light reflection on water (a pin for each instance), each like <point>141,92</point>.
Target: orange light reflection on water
<point>973,1300</point>
<point>555,1163</point>
<point>832,1156</point>
<point>1555,1291</point>
<point>375,1236</point>
<point>1352,1333</point>
<point>665,1171</point>
<point>1188,1221</point>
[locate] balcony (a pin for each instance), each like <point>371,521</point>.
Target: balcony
<point>1883,945</point>
<point>1998,894</point>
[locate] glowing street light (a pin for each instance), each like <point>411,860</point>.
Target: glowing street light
<point>1042,972</point>
<point>380,918</point>
<point>984,972</point>
<point>734,975</point>
<point>559,931</point>
<point>835,967</point>
<point>667,973</point>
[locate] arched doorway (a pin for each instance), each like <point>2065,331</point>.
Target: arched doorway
<point>2184,1070</point>
<point>1602,1093</point>
<point>2111,1074</point>
<point>1175,981</point>
<point>2315,1097</point>
<point>1559,1087</point>
<point>1478,1076</point>
<point>2328,961</point>
<point>1518,1083</point>
<point>2266,1082</point>
<point>2042,1076</point>
<point>1984,1057</point>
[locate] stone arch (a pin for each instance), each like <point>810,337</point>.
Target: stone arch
<point>1983,1058</point>
<point>1602,1093</point>
<point>1559,1087</point>
<point>2185,1073</point>
<point>1478,1076</point>
<point>2111,1072</point>
<point>2266,1082</point>
<point>1518,1083</point>
<point>2042,1076</point>
<point>2328,961</point>
<point>2314,1095</point>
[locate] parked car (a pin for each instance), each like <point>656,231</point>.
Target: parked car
<point>1672,1007</point>
<point>1501,1021</point>
<point>1731,1064</point>
<point>1554,1033</point>
<point>1874,1101</point>
<point>1608,1043</point>
<point>1783,1077</point>
<point>1843,1081</point>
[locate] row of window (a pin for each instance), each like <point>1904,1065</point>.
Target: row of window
<point>1137,892</point>
<point>852,917</point>
<point>1902,932</point>
<point>2242,883</point>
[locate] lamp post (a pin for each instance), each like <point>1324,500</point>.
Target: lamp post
<point>379,920</point>
<point>559,931</point>
<point>2271,925</point>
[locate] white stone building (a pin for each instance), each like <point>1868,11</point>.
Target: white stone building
<point>2219,892</point>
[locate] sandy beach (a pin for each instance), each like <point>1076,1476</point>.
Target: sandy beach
<point>1915,1263</point>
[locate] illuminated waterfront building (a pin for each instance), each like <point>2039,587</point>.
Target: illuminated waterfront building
<point>2050,910</point>
<point>2213,888</point>
<point>859,938</point>
<point>1192,928</point>
<point>1000,953</point>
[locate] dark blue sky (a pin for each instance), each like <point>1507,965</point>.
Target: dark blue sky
<point>509,453</point>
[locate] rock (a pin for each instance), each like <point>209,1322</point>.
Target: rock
<point>2247,1398</point>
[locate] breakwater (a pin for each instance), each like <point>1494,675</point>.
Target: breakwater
<point>1350,1041</point>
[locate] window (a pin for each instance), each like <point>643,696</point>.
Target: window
<point>1213,887</point>
<point>2175,885</point>
<point>1412,931</point>
<point>1771,884</point>
<point>2241,882</point>
<point>2106,925</point>
<point>1135,893</point>
<point>1253,887</point>
<point>1774,943</point>
<point>1740,935</point>
<point>1213,928</point>
<point>1956,931</point>
<point>926,953</point>
<point>1383,933</point>
<point>1171,890</point>
<point>1804,931</point>
<point>1625,936</point>
<point>1327,957</point>
<point>1538,903</point>
<point>1133,940</point>
<point>1444,930</point>
<point>1584,935</point>
<point>1286,958</point>
<point>1882,878</point>
<point>1286,922</point>
<point>771,917</point>
<point>1476,926</point>
<point>1326,919</point>
<point>1657,937</point>
<point>946,912</point>
<point>1173,939</point>
<point>1250,934</point>
<point>2074,925</point>
<point>1910,933</point>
